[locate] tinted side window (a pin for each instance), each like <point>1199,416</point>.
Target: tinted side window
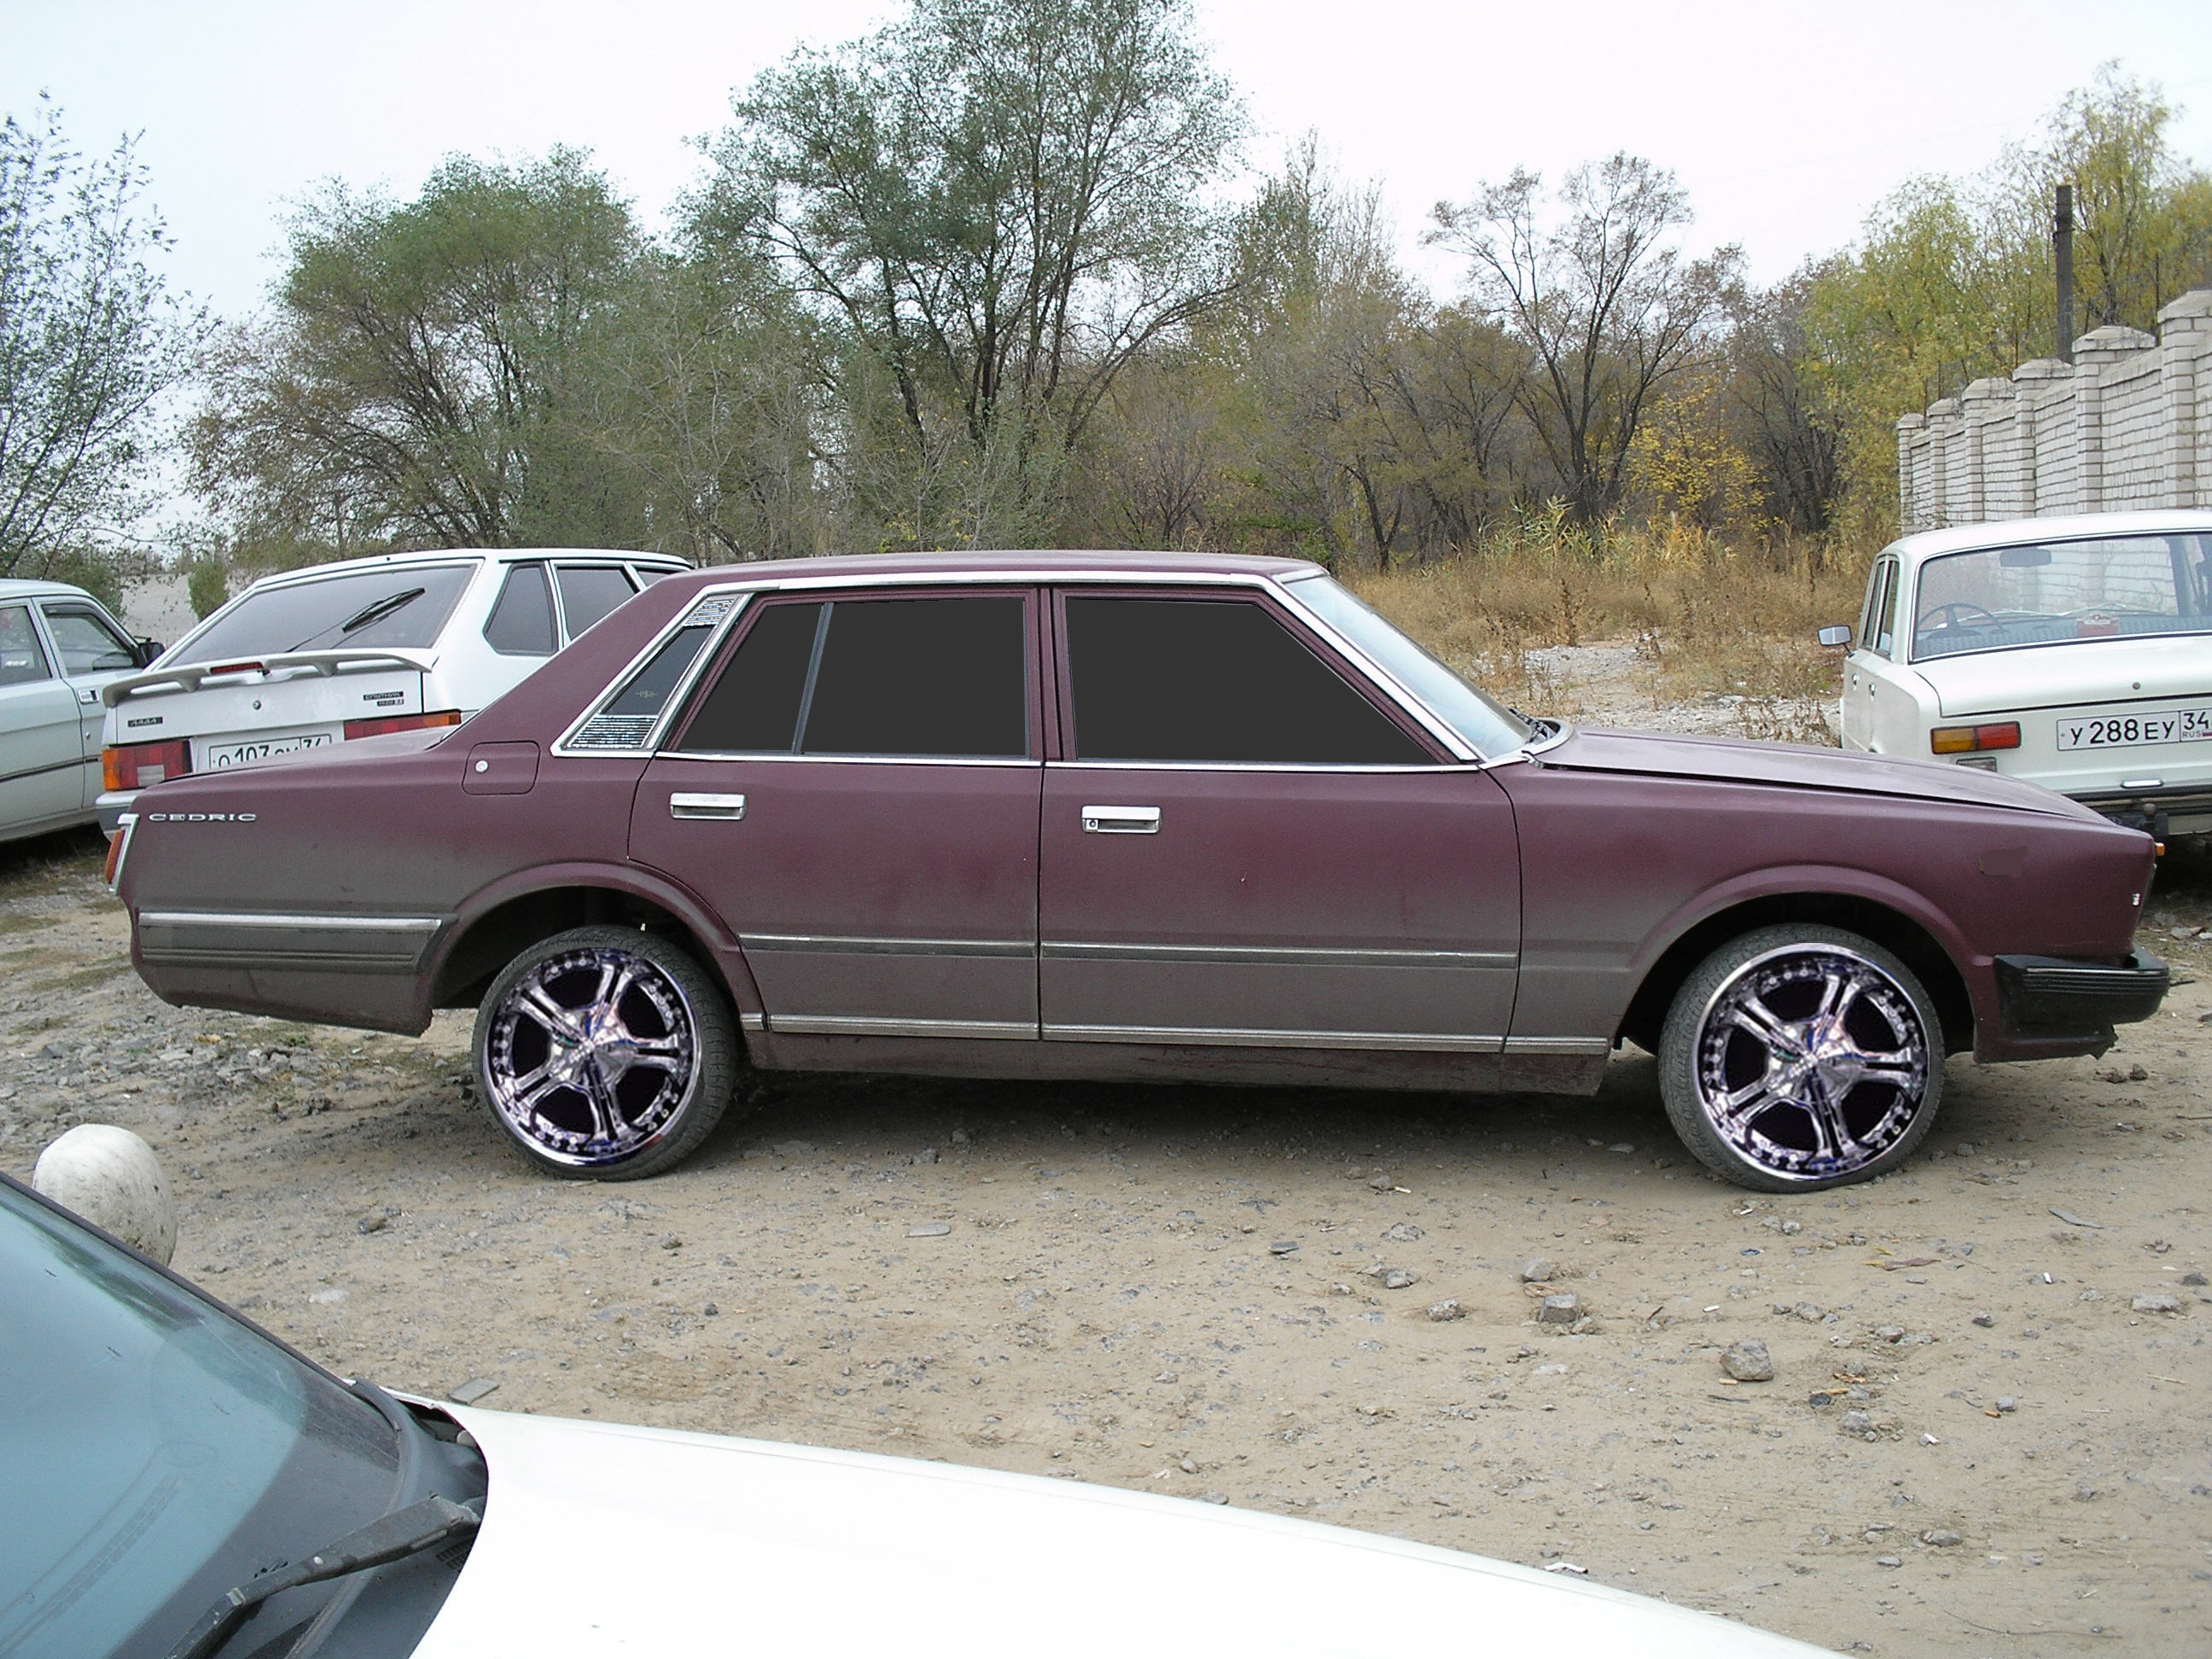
<point>22,658</point>
<point>521,623</point>
<point>920,677</point>
<point>753,704</point>
<point>87,643</point>
<point>1214,680</point>
<point>588,593</point>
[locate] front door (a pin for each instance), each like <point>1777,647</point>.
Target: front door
<point>1241,844</point>
<point>41,746</point>
<point>93,652</point>
<point>855,790</point>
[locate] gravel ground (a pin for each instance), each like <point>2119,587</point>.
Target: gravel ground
<point>1977,1439</point>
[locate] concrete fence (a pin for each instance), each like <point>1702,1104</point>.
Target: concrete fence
<point>2127,425</point>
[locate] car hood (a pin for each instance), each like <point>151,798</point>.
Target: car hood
<point>599,1541</point>
<point>1795,766</point>
<point>2067,676</point>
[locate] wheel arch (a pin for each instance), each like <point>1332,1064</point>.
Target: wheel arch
<point>1887,918</point>
<point>510,916</point>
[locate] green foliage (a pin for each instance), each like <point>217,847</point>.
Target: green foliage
<point>91,342</point>
<point>207,584</point>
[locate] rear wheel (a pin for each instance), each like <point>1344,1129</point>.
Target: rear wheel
<point>1801,1057</point>
<point>606,1053</point>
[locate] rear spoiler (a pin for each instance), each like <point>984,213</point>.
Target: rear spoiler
<point>285,665</point>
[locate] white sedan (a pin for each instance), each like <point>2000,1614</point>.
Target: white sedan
<point>2074,653</point>
<point>58,649</point>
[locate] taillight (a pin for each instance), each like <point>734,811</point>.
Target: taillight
<point>1971,739</point>
<point>387,727</point>
<point>137,765</point>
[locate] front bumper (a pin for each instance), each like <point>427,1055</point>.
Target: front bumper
<point>2062,1004</point>
<point>2184,809</point>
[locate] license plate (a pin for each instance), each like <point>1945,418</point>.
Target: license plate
<point>2117,731</point>
<point>216,756</point>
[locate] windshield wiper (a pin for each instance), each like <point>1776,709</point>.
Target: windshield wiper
<point>392,1537</point>
<point>378,609</point>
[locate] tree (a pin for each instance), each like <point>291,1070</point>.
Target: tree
<point>415,381</point>
<point>91,343</point>
<point>997,203</point>
<point>1773,412</point>
<point>1605,307</point>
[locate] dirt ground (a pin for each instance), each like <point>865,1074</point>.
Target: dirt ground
<point>1975,1443</point>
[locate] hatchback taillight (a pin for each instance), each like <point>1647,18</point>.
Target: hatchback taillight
<point>136,765</point>
<point>391,723</point>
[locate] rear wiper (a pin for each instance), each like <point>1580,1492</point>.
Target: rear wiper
<point>377,610</point>
<point>392,1537</point>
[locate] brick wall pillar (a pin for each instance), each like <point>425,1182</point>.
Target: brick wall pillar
<point>2032,381</point>
<point>2092,353</point>
<point>1908,429</point>
<point>1980,403</point>
<point>2184,336</point>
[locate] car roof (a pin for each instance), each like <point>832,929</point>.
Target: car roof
<point>24,588</point>
<point>2008,532</point>
<point>1055,565</point>
<point>447,554</point>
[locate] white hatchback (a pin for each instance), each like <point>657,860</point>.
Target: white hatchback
<point>355,650</point>
<point>2075,652</point>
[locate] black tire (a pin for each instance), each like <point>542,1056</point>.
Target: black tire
<point>606,1053</point>
<point>1800,1057</point>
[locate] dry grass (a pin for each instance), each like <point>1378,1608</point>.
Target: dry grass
<point>1704,618</point>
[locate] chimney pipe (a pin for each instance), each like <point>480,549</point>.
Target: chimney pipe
<point>2062,242</point>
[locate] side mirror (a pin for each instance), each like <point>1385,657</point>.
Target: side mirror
<point>1835,634</point>
<point>148,650</point>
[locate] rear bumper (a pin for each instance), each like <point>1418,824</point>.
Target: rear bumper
<point>113,806</point>
<point>2059,1005</point>
<point>2183,809</point>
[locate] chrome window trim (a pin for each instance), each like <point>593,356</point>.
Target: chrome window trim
<point>1245,766</point>
<point>1238,1037</point>
<point>678,695</point>
<point>1287,956</point>
<point>833,944</point>
<point>779,755</point>
<point>862,1026</point>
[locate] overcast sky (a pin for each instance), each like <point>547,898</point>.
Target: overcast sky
<point>1786,121</point>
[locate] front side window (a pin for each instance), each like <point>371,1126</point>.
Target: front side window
<point>521,621</point>
<point>88,642</point>
<point>1214,680</point>
<point>22,658</point>
<point>588,593</point>
<point>393,607</point>
<point>937,677</point>
<point>1996,599</point>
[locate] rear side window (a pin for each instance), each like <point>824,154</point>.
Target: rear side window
<point>588,593</point>
<point>1215,680</point>
<point>22,658</point>
<point>943,677</point>
<point>521,623</point>
<point>400,607</point>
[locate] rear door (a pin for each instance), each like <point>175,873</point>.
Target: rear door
<point>855,789</point>
<point>41,750</point>
<point>1241,844</point>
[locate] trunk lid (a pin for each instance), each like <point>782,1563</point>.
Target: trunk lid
<point>2137,668</point>
<point>302,693</point>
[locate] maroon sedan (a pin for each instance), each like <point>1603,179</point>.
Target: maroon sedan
<point>1129,816</point>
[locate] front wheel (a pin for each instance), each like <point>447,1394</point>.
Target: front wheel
<point>1801,1057</point>
<point>606,1053</point>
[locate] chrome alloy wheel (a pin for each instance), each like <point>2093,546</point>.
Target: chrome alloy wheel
<point>590,1055</point>
<point>1811,1062</point>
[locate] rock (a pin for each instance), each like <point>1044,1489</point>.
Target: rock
<point>1399,1278</point>
<point>2192,1279</point>
<point>2136,1075</point>
<point>1537,1271</point>
<point>329,1297</point>
<point>1857,1423</point>
<point>1283,1246</point>
<point>960,1137</point>
<point>1188,1466</point>
<point>375,1222</point>
<point>929,1230</point>
<point>1890,1333</point>
<point>671,1241</point>
<point>1380,1184</point>
<point>1748,1362</point>
<point>2157,1302</point>
<point>1448,1310</point>
<point>2007,1405</point>
<point>471,1391</point>
<point>1214,1498</point>
<point>1562,1310</point>
<point>1165,1376</point>
<point>708,1308</point>
<point>1404,1233</point>
<point>1985,1319</point>
<point>1937,1538</point>
<point>926,1155</point>
<point>112,1178</point>
<point>1888,1561</point>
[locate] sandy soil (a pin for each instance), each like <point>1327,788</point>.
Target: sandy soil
<point>1975,1441</point>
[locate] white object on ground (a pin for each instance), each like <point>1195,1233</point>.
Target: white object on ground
<point>112,1178</point>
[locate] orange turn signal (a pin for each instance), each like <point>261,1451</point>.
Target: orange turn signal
<point>1972,739</point>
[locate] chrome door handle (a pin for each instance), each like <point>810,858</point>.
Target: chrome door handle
<point>729,807</point>
<point>1121,820</point>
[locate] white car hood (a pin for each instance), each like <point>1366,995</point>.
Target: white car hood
<point>2067,676</point>
<point>599,1540</point>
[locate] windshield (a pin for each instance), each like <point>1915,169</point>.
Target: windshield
<point>1488,728</point>
<point>1997,598</point>
<point>398,606</point>
<point>156,1451</point>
